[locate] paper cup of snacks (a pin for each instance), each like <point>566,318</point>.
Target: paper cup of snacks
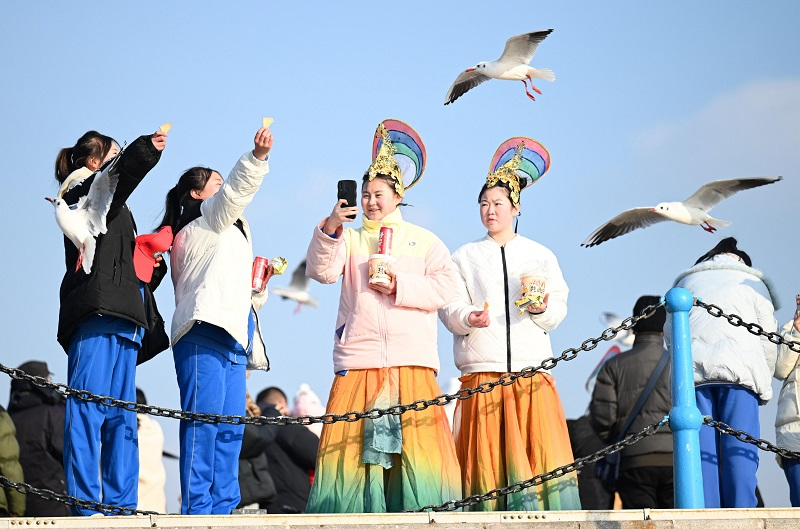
<point>533,288</point>
<point>379,267</point>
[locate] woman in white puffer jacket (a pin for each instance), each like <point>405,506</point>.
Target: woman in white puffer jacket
<point>787,422</point>
<point>732,367</point>
<point>517,431</point>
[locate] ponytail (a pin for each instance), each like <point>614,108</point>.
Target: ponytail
<point>91,144</point>
<point>180,196</point>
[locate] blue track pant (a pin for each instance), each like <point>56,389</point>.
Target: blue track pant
<point>209,460</point>
<point>791,467</point>
<point>104,364</point>
<point>729,465</point>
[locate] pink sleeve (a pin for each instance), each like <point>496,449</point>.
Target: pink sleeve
<point>434,289</point>
<point>326,255</point>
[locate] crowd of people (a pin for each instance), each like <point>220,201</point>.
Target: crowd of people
<point>500,296</point>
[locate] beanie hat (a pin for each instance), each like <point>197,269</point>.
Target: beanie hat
<point>654,323</point>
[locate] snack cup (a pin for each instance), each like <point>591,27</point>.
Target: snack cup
<point>379,266</point>
<point>533,288</point>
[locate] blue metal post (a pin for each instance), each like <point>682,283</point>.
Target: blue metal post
<point>684,417</point>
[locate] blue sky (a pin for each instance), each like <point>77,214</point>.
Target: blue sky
<point>651,101</point>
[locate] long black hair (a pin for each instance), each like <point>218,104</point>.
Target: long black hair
<point>727,245</point>
<point>91,144</point>
<point>180,196</point>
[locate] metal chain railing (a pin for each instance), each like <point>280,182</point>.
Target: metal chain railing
<point>752,328</point>
<point>350,416</point>
<point>495,494</point>
<point>25,488</point>
<point>745,437</point>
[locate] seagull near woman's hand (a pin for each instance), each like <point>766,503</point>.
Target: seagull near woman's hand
<point>297,289</point>
<point>87,219</point>
<point>693,211</point>
<point>513,65</point>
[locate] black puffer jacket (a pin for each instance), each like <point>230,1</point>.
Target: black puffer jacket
<point>619,384</point>
<point>112,287</point>
<point>38,414</point>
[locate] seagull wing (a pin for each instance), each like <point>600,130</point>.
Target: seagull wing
<point>98,200</point>
<point>520,49</point>
<point>713,193</point>
<point>464,82</point>
<point>623,223</point>
<point>299,280</point>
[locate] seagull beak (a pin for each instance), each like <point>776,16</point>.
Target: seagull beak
<point>51,200</point>
<point>652,210</point>
<point>470,69</point>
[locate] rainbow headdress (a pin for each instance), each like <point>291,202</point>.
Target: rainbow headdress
<point>518,158</point>
<point>397,152</point>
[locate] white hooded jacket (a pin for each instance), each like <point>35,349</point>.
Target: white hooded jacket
<point>721,352</point>
<point>491,274</point>
<point>212,261</point>
<point>787,369</point>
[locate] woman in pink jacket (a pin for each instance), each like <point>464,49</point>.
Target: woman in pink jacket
<point>385,350</point>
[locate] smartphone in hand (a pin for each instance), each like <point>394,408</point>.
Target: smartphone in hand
<point>348,190</point>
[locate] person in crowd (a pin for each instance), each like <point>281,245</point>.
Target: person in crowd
<point>38,414</point>
<point>306,402</point>
<point>215,331</point>
<point>787,421</point>
<point>513,432</point>
<point>645,469</point>
<point>256,485</point>
<point>107,318</point>
<point>152,474</point>
<point>12,501</point>
<point>384,350</point>
<point>585,442</point>
<point>732,368</point>
<point>292,456</point>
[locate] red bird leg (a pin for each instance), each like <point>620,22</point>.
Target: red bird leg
<point>297,308</point>
<point>708,227</point>
<point>527,92</point>
<point>80,260</point>
<point>534,88</point>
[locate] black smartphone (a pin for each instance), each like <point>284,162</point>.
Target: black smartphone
<point>348,190</point>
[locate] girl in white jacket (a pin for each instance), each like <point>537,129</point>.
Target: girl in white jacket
<point>787,422</point>
<point>214,325</point>
<point>513,432</point>
<point>732,368</point>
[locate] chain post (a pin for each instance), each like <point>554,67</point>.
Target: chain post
<point>685,418</point>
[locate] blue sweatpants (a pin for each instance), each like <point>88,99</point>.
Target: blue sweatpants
<point>791,467</point>
<point>729,465</point>
<point>104,364</point>
<point>209,459</point>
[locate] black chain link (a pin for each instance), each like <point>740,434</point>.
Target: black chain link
<point>24,488</point>
<point>745,437</point>
<point>495,494</point>
<point>752,328</point>
<point>350,416</point>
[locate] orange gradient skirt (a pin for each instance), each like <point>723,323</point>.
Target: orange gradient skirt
<point>512,434</point>
<point>416,462</point>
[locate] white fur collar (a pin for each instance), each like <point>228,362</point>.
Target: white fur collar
<point>723,262</point>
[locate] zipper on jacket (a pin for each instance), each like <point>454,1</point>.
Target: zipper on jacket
<point>508,310</point>
<point>384,332</point>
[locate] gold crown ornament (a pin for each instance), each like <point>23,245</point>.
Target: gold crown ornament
<point>397,153</point>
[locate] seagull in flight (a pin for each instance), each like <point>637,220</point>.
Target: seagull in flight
<point>513,65</point>
<point>84,221</point>
<point>693,211</point>
<point>297,289</point>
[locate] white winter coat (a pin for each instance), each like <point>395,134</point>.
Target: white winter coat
<point>212,261</point>
<point>721,352</point>
<point>506,344</point>
<point>787,369</point>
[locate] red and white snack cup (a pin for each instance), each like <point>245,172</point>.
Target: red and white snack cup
<point>379,267</point>
<point>385,241</point>
<point>260,265</point>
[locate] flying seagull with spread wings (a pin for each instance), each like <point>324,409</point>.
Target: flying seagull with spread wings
<point>513,65</point>
<point>693,211</point>
<point>297,289</point>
